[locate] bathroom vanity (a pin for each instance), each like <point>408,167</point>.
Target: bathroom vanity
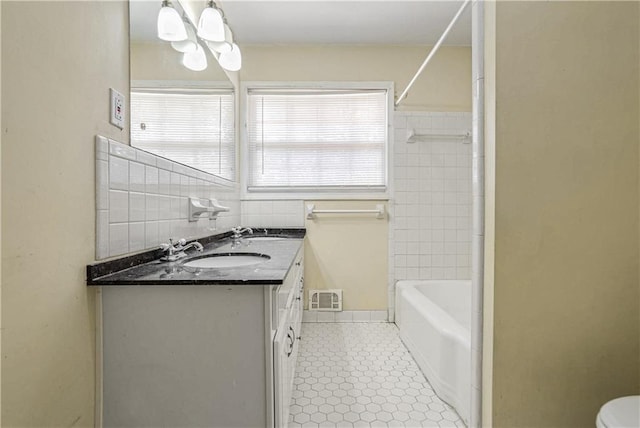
<point>203,347</point>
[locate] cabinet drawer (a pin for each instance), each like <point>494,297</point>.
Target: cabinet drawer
<point>288,292</point>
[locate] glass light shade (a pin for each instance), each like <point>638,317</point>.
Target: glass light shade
<point>170,25</point>
<point>190,44</point>
<point>196,60</point>
<point>225,46</point>
<point>210,25</point>
<point>232,60</point>
<point>219,46</point>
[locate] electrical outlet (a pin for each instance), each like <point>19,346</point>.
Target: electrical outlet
<point>117,108</point>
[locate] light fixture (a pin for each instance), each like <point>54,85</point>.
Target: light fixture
<point>196,60</point>
<point>211,25</point>
<point>170,25</point>
<point>226,45</point>
<point>232,60</point>
<point>212,32</point>
<point>190,44</point>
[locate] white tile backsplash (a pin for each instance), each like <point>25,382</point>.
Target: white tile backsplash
<point>151,207</point>
<point>151,179</point>
<point>164,207</point>
<point>118,173</point>
<point>118,238</point>
<point>122,150</point>
<point>164,164</point>
<point>273,213</point>
<point>174,189</point>
<point>102,184</point>
<point>136,236</point>
<point>146,158</point>
<point>151,237</point>
<point>102,229</point>
<point>136,177</point>
<point>118,206</point>
<point>164,181</point>
<point>102,146</point>
<point>142,200</point>
<point>164,228</point>
<point>137,210</point>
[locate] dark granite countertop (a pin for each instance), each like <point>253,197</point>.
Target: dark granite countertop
<point>147,269</point>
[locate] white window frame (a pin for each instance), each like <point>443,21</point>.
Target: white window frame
<point>377,194</point>
<point>200,84</point>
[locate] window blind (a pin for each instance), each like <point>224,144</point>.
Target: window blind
<point>193,127</point>
<point>317,140</point>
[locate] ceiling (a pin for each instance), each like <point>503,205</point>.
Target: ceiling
<point>417,22</point>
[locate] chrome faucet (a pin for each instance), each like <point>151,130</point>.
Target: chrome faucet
<point>238,231</point>
<point>177,251</point>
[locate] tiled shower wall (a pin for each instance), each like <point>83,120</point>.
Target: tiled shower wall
<point>430,229</point>
<point>142,200</point>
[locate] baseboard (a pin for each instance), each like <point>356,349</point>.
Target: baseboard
<point>344,316</point>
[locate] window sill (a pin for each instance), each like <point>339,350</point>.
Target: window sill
<point>315,196</point>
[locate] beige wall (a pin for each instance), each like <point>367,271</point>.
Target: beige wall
<point>56,74</point>
<point>445,84</point>
<point>567,316</point>
<point>159,61</point>
<point>348,251</point>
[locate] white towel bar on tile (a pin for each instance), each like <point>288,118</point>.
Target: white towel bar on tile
<point>379,211</point>
<point>412,137</point>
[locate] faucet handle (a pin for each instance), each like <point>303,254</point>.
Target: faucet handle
<point>173,245</point>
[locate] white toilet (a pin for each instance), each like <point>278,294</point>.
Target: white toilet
<point>623,412</point>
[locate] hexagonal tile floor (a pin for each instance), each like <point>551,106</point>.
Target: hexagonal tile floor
<point>361,375</point>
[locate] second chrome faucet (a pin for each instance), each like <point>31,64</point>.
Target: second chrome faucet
<point>238,231</point>
<point>176,251</point>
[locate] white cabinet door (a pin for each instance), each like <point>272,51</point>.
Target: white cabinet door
<point>283,368</point>
<point>286,342</point>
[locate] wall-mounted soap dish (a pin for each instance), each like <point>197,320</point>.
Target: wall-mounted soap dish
<point>198,206</point>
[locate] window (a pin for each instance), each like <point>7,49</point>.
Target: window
<point>191,126</point>
<point>317,139</point>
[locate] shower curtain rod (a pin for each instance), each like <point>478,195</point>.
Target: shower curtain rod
<point>433,51</point>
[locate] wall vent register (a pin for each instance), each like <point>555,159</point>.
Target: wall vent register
<point>325,300</point>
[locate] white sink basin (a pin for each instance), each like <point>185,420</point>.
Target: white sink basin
<point>264,238</point>
<point>225,261</point>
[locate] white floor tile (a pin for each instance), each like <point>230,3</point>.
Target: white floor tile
<point>360,374</point>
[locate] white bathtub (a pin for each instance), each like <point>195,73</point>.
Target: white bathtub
<point>434,318</point>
